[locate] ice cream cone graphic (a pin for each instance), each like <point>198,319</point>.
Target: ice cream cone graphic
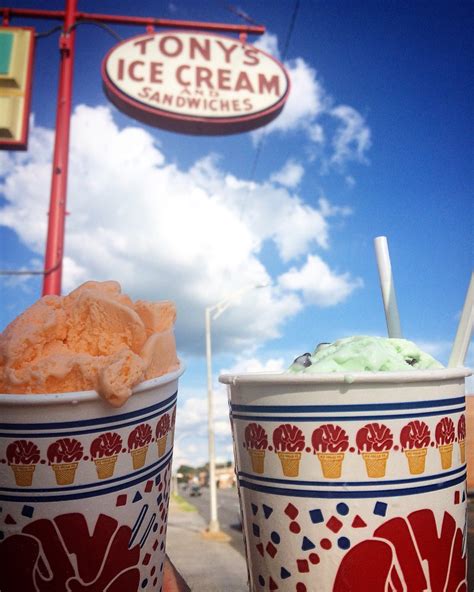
<point>256,442</point>
<point>23,474</point>
<point>374,442</point>
<point>290,463</point>
<point>462,437</point>
<point>288,441</point>
<point>257,458</point>
<point>415,438</point>
<point>138,442</point>
<point>65,473</point>
<point>22,456</point>
<point>330,443</point>
<point>105,466</point>
<point>375,463</point>
<point>163,427</point>
<point>446,454</point>
<point>161,443</point>
<point>331,464</point>
<point>139,456</point>
<point>104,452</point>
<point>444,439</point>
<point>64,456</point>
<point>416,460</point>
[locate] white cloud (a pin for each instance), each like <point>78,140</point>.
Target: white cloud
<point>307,100</point>
<point>318,283</point>
<point>164,232</point>
<point>352,138</point>
<point>316,133</point>
<point>289,175</point>
<point>311,109</point>
<point>268,42</point>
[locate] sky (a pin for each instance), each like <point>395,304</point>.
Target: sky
<point>374,140</point>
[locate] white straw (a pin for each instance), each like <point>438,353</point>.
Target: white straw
<point>388,289</point>
<point>464,332</point>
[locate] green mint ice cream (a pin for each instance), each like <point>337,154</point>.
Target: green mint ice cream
<point>363,353</point>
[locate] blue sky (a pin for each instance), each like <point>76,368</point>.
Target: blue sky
<point>375,139</point>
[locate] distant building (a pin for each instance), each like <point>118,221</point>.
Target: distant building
<point>225,476</point>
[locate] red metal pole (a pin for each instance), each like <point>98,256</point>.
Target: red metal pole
<point>57,205</point>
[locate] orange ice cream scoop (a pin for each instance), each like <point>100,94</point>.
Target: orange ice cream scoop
<point>95,338</point>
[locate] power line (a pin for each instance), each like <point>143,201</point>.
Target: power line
<point>258,149</point>
<point>103,26</point>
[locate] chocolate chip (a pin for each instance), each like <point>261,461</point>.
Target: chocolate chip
<point>303,360</point>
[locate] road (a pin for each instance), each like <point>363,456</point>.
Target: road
<point>228,515</point>
<point>228,512</point>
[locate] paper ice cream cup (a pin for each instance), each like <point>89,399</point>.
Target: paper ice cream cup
<point>86,521</point>
<point>320,526</point>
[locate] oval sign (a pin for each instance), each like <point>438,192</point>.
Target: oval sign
<point>195,83</point>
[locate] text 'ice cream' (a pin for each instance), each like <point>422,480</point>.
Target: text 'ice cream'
<point>95,338</point>
<point>362,353</point>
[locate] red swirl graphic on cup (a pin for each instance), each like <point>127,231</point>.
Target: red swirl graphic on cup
<point>288,438</point>
<point>65,554</point>
<point>374,437</point>
<point>173,417</point>
<point>23,452</point>
<point>445,431</point>
<point>411,553</point>
<point>65,450</point>
<point>330,438</point>
<point>462,427</point>
<point>415,434</point>
<point>140,436</point>
<point>108,444</point>
<point>256,437</point>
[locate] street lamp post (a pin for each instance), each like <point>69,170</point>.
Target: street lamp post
<point>215,311</point>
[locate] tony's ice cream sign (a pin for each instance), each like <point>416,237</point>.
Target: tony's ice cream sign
<point>195,83</point>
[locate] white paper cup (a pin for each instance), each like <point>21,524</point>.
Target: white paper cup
<point>83,492</point>
<point>361,484</point>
